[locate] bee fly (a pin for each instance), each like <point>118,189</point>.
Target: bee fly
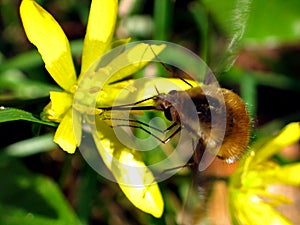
<point>220,121</point>
<point>231,140</point>
<point>237,127</point>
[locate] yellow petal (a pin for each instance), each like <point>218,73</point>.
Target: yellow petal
<point>289,135</point>
<point>64,135</point>
<point>249,209</point>
<point>115,66</point>
<point>134,178</point>
<point>131,91</point>
<point>118,65</point>
<point>146,198</point>
<point>56,109</point>
<point>132,60</point>
<point>46,34</point>
<point>119,42</point>
<point>77,128</point>
<point>137,183</point>
<point>100,29</point>
<point>288,174</point>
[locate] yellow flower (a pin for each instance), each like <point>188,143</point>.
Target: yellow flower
<point>45,33</point>
<point>250,201</point>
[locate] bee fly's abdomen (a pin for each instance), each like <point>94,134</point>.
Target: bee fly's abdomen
<point>237,132</point>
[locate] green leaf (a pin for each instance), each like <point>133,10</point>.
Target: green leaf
<point>273,22</point>
<point>232,17</point>
<point>269,23</point>
<point>29,199</point>
<point>221,11</point>
<point>15,85</point>
<point>31,146</point>
<point>11,114</point>
<point>33,59</point>
<point>22,61</point>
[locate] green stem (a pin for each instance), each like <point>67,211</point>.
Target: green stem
<point>163,11</point>
<point>248,93</point>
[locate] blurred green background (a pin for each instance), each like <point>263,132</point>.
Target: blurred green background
<point>41,184</point>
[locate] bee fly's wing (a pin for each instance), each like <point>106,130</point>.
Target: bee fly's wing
<point>236,30</point>
<point>196,199</point>
<point>207,158</point>
<point>190,203</point>
<point>210,78</point>
<point>107,58</point>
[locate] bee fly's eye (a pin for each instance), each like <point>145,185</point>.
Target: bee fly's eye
<point>168,114</point>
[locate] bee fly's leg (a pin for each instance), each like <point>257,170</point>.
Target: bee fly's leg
<point>141,124</point>
<point>175,168</point>
<point>145,124</point>
<point>143,129</point>
<point>166,171</point>
<point>198,152</point>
